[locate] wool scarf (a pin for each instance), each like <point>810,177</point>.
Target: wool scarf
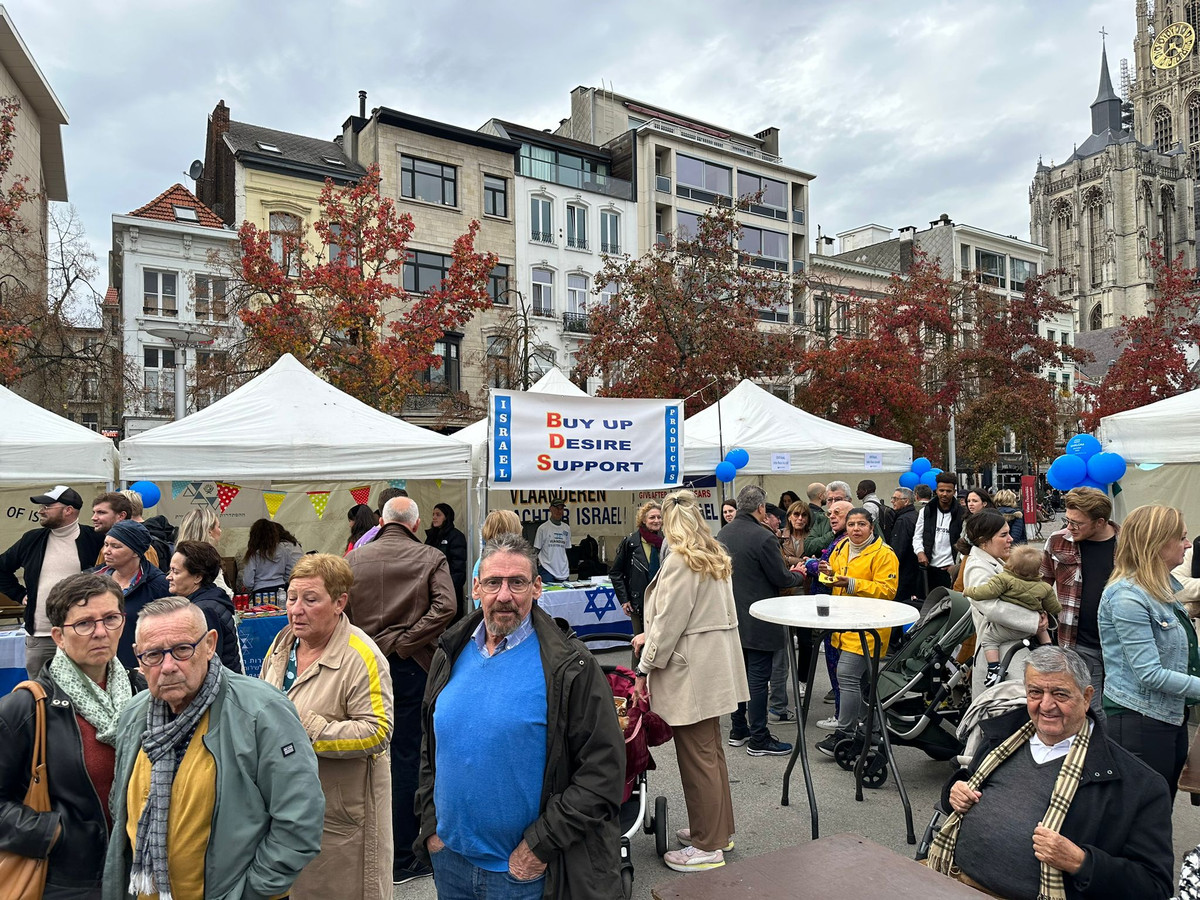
<point>941,854</point>
<point>164,742</point>
<point>101,706</point>
<point>655,540</point>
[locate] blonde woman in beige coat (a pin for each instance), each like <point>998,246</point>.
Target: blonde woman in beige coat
<point>691,658</point>
<point>341,686</point>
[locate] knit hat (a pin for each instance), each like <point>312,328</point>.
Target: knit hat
<point>132,534</point>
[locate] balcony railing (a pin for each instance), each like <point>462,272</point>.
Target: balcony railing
<point>577,243</point>
<point>798,266</point>
<point>709,141</point>
<point>798,216</point>
<point>660,239</point>
<point>577,178</point>
<point>607,247</point>
<point>662,183</point>
<point>576,323</point>
<point>542,237</point>
<point>155,310</point>
<point>543,309</point>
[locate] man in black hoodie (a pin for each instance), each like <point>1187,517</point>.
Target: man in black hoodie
<point>909,588</point>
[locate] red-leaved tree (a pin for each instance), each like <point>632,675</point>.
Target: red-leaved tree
<point>18,273</point>
<point>1153,362</point>
<point>342,310</point>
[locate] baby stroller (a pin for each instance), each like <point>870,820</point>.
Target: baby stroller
<point>643,729</point>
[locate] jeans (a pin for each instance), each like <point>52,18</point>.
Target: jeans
<point>778,699</point>
<point>1095,662</point>
<point>832,655</point>
<point>457,878</point>
<point>408,687</point>
<point>852,675</point>
<point>547,578</point>
<point>758,672</point>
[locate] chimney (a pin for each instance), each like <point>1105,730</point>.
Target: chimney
<point>362,104</point>
<point>770,139</point>
<point>220,118</point>
<point>824,245</point>
<point>907,234</point>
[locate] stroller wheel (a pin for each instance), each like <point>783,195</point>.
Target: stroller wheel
<point>846,752</point>
<point>627,882</point>
<point>661,826</point>
<point>875,771</point>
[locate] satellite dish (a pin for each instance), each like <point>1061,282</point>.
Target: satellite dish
<point>195,170</point>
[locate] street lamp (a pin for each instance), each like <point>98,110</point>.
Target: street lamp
<point>182,339</point>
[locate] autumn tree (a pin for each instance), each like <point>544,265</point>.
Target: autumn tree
<point>516,355</point>
<point>19,261</point>
<point>1153,363</point>
<point>685,314</point>
<point>342,309</point>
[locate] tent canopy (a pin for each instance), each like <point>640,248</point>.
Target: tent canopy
<point>1167,431</point>
<point>40,446</point>
<point>762,424</point>
<point>289,424</point>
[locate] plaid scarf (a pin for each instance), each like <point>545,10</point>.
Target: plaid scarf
<point>101,706</point>
<point>164,741</point>
<point>941,854</point>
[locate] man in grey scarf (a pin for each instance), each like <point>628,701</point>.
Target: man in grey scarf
<point>229,753</point>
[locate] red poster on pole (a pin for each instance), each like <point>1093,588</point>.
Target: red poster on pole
<point>1029,504</point>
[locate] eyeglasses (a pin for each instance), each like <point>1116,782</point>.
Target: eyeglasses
<point>516,583</point>
<point>111,622</point>
<point>1073,525</point>
<point>180,653</point>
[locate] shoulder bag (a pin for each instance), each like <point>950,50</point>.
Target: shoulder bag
<point>23,877</point>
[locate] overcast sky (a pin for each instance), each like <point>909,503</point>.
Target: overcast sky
<point>903,110</point>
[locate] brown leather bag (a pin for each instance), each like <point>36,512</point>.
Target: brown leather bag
<point>23,877</point>
<point>1189,778</point>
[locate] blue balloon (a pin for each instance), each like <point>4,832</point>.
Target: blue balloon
<point>1071,469</point>
<point>1055,479</point>
<point>739,457</point>
<point>936,471</point>
<point>726,471</point>
<point>1083,445</point>
<point>1106,467</point>
<point>910,480</point>
<point>148,491</point>
<point>1088,482</point>
<point>929,478</point>
<point>921,465</point>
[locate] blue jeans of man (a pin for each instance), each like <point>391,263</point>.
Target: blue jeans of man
<point>457,878</point>
<point>758,673</point>
<point>408,688</point>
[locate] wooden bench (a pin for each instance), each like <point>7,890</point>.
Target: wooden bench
<point>841,865</point>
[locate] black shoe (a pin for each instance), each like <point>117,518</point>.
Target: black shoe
<point>770,747</point>
<point>828,698</point>
<point>829,743</point>
<point>783,715</point>
<point>404,876</point>
<point>737,738</point>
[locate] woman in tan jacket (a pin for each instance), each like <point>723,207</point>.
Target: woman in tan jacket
<point>692,659</point>
<point>341,686</point>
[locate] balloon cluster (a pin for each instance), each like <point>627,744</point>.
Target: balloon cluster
<point>1085,465</point>
<point>922,472</point>
<point>148,491</point>
<point>727,469</point>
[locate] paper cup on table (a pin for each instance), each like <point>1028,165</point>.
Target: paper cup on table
<point>822,604</point>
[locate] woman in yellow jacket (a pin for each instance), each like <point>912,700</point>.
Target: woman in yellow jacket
<point>862,565</point>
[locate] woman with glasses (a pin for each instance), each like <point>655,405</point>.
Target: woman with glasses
<point>86,690</point>
<point>637,560</point>
<point>192,574</point>
<point>692,673</point>
<point>341,686</point>
<point>125,562</point>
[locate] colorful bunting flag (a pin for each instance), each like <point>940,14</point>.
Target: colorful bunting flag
<point>318,499</point>
<point>273,499</point>
<point>361,494</point>
<point>438,482</point>
<point>225,494</point>
<point>177,488</point>
<point>399,484</point>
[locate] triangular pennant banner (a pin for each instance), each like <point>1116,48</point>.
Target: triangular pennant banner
<point>438,482</point>
<point>361,494</point>
<point>273,499</point>
<point>177,488</point>
<point>226,493</point>
<point>318,499</point>
<point>398,483</point>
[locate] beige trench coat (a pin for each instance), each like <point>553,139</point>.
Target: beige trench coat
<point>693,655</point>
<point>345,703</point>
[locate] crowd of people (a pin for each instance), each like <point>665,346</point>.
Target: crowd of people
<point>406,724</point>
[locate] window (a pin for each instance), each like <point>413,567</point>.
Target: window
<point>689,225</point>
<point>709,178</point>
<point>268,147</point>
<point>210,298</point>
<point>495,196</point>
<point>89,387</point>
<point>576,227</point>
<point>425,271</point>
<point>499,369</point>
<point>842,314</point>
<point>339,250</point>
<point>610,231</point>
<point>543,292</point>
<point>562,168</point>
<point>158,366</point>
<point>608,292</point>
<point>285,241</point>
<point>768,249</point>
<point>431,182</point>
<point>1167,215</point>
<point>498,284</point>
<point>990,267</point>
<point>1193,118</point>
<point>445,378</point>
<point>821,313</point>
<point>334,161</point>
<point>1021,271</point>
<point>964,258</point>
<point>1163,137</point>
<point>1096,238</point>
<point>1050,335</point>
<point>160,293</point>
<point>577,291</point>
<point>1096,319</point>
<point>1065,339</point>
<point>774,194</point>
<point>540,223</point>
<point>185,214</point>
<point>1066,383</point>
<point>90,420</point>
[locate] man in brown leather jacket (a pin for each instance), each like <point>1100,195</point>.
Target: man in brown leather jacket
<point>403,598</point>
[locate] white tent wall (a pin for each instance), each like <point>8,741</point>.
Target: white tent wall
<point>1175,484</point>
<point>18,514</point>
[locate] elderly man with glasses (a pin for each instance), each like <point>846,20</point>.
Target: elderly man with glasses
<point>216,792</point>
<point>522,760</point>
<point>1077,560</point>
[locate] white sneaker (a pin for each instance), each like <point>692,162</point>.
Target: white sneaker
<point>829,724</point>
<point>803,691</point>
<point>689,859</point>
<point>684,836</point>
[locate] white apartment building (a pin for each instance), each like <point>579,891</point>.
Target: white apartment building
<point>570,212</point>
<point>160,266</point>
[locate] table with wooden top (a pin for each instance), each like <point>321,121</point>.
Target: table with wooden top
<point>844,864</point>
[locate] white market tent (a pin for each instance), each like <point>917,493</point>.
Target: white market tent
<point>762,424</point>
<point>39,447</point>
<point>290,425</point>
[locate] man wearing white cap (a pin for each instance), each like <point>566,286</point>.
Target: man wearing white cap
<point>59,548</point>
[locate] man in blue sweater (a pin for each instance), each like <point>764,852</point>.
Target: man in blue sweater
<point>522,759</point>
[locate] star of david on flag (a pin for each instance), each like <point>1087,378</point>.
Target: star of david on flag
<point>610,602</point>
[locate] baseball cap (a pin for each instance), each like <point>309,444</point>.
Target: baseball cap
<point>775,511</point>
<point>558,501</point>
<point>60,493</point>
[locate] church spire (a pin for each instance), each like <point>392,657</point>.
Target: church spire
<point>1106,110</point>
